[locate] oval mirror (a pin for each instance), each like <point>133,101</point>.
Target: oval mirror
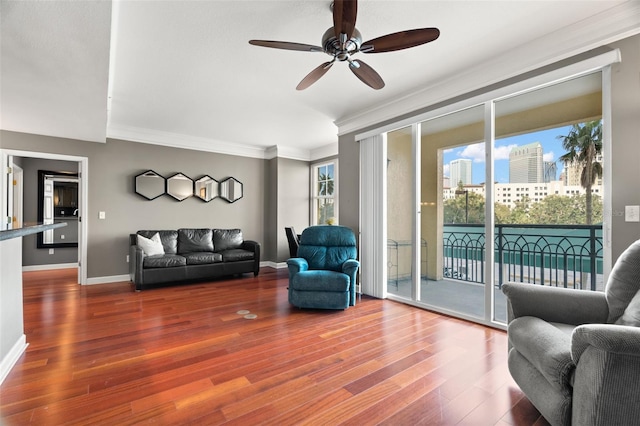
<point>150,185</point>
<point>179,186</point>
<point>231,190</point>
<point>206,188</point>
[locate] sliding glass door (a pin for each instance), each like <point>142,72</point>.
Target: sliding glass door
<point>493,193</point>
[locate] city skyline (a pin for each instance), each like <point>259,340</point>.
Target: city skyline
<point>551,148</point>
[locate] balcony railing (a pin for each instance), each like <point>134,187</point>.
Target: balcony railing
<point>555,255</point>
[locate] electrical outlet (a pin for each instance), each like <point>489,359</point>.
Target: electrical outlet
<point>50,251</point>
<point>127,258</point>
<point>62,237</point>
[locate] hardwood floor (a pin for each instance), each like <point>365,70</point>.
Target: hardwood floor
<point>105,354</point>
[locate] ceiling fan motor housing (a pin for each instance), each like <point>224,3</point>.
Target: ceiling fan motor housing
<point>333,47</point>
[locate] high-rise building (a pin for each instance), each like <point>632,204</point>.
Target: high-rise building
<point>526,164</point>
<point>550,171</point>
<point>460,171</point>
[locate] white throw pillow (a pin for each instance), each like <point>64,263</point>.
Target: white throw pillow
<point>152,246</point>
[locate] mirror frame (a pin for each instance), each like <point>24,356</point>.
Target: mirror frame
<point>179,175</point>
<point>202,179</point>
<point>40,235</point>
<point>164,184</point>
<point>224,189</point>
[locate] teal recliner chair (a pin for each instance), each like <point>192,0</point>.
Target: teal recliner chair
<point>323,276</point>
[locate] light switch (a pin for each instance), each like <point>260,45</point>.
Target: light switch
<point>102,215</point>
<point>632,213</point>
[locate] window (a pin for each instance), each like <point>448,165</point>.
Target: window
<point>324,209</point>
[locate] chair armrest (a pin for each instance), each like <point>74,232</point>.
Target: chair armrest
<point>555,304</point>
<point>253,246</point>
<point>605,389</point>
<point>350,267</point>
<point>618,339</point>
<point>297,264</point>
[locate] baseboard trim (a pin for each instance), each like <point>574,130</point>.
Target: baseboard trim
<point>107,280</point>
<point>274,265</point>
<point>30,268</point>
<point>9,361</point>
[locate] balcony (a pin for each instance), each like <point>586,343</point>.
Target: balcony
<point>567,256</point>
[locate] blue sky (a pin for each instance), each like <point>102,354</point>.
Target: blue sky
<point>551,147</point>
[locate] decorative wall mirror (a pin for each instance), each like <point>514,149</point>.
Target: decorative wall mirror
<point>58,202</point>
<point>206,188</point>
<point>231,190</point>
<point>180,186</point>
<point>150,185</point>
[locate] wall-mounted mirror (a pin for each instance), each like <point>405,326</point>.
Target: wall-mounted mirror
<point>58,202</point>
<point>231,190</point>
<point>150,185</point>
<point>206,188</point>
<point>180,186</point>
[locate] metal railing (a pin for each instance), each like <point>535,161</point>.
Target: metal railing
<point>554,255</point>
<point>399,261</point>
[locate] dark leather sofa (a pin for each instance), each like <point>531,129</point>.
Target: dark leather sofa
<point>192,254</point>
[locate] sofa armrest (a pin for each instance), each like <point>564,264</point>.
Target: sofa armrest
<point>136,260</point>
<point>555,304</point>
<point>254,247</point>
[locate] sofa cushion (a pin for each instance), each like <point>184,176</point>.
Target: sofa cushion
<point>194,240</point>
<point>164,261</point>
<point>202,258</point>
<point>235,255</point>
<point>225,239</point>
<point>151,247</point>
<point>545,346</point>
<point>169,239</point>
<point>320,281</point>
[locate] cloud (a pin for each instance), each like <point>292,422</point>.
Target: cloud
<point>502,152</point>
<point>548,156</point>
<point>474,152</point>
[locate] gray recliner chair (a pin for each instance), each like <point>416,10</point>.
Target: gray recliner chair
<point>576,353</point>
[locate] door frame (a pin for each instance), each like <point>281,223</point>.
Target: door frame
<point>83,194</point>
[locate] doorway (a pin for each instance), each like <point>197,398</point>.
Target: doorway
<point>9,201</point>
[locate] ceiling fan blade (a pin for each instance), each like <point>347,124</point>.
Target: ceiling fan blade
<point>366,74</point>
<point>314,75</point>
<point>344,18</point>
<point>287,45</point>
<point>400,40</point>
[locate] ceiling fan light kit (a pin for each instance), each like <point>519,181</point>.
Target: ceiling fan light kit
<point>343,40</point>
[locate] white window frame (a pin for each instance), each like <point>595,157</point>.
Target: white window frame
<point>314,197</point>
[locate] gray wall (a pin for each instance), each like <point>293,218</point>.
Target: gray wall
<point>112,167</point>
<point>31,254</point>
<point>625,147</point>
<point>293,201</point>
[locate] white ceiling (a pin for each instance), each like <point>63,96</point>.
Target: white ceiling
<point>182,73</point>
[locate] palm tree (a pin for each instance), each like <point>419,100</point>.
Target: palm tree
<point>584,145</point>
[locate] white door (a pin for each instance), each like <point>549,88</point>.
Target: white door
<point>18,188</point>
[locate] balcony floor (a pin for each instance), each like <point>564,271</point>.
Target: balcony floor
<point>454,295</point>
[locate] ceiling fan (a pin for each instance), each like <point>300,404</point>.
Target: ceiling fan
<point>343,40</point>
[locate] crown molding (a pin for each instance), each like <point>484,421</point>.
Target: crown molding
<point>614,24</point>
<point>176,140</point>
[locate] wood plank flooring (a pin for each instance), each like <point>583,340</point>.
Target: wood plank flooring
<point>105,354</point>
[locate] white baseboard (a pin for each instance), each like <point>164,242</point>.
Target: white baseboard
<point>12,357</point>
<point>273,265</point>
<point>107,280</point>
<point>49,267</point>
